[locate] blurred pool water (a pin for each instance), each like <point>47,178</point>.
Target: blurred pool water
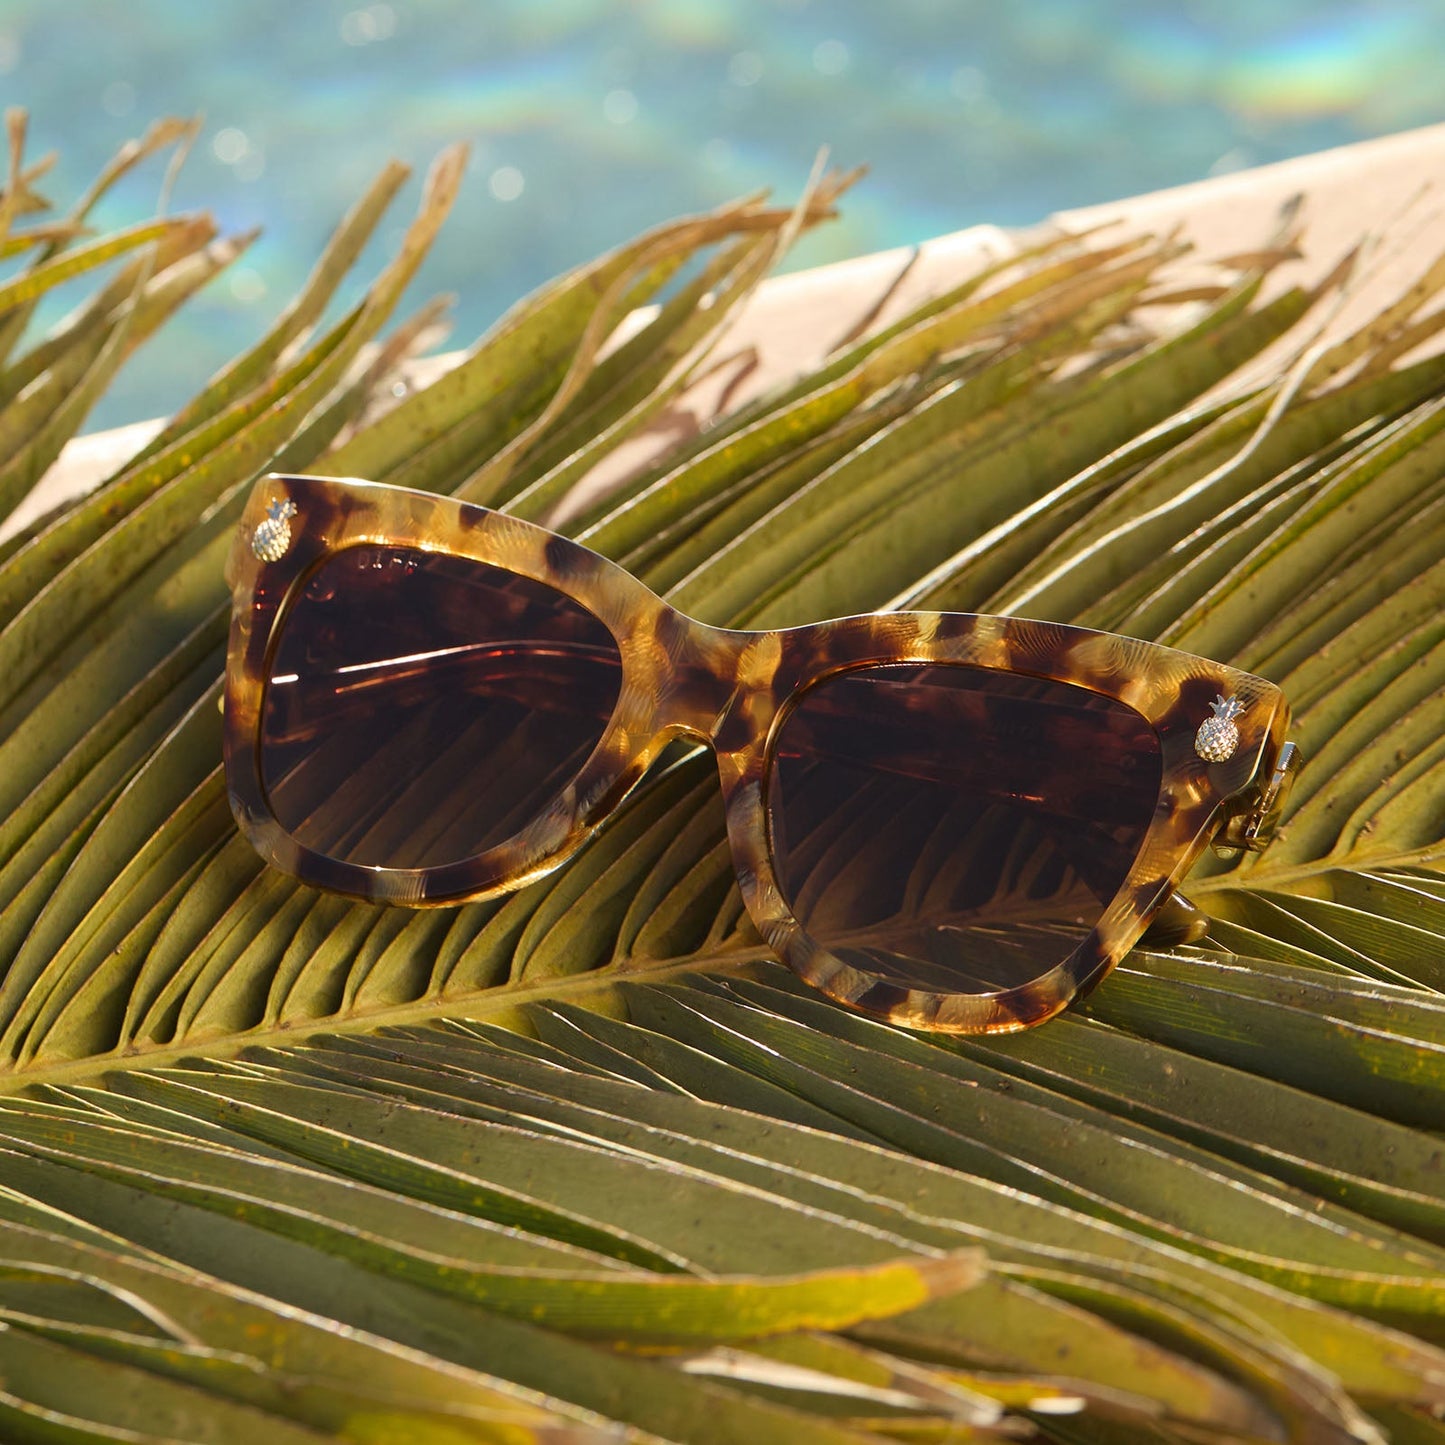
<point>591,119</point>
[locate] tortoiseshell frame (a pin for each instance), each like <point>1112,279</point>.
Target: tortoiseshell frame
<point>731,689</point>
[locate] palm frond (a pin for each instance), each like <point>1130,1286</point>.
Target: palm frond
<point>583,1159</point>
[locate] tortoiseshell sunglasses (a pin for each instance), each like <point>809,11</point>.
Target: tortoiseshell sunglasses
<point>952,822</point>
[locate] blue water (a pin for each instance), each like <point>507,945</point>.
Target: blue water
<point>591,119</point>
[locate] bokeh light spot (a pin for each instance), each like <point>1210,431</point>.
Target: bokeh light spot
<point>506,183</point>
<point>247,286</point>
<point>619,106</point>
<point>230,145</point>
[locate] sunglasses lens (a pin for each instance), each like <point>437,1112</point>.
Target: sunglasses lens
<point>422,709</point>
<point>956,829</point>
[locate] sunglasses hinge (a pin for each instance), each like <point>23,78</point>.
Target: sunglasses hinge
<point>1252,825</point>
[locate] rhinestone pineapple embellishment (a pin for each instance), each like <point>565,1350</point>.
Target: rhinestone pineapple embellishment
<point>1218,737</point>
<point>273,536</point>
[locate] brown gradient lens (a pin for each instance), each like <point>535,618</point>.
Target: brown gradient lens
<point>421,708</point>
<point>957,829</point>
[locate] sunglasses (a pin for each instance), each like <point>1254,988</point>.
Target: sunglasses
<point>947,821</point>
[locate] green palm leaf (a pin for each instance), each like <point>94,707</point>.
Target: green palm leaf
<point>583,1158</point>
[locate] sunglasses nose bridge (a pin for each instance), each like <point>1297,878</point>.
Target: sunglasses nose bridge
<point>703,669</point>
